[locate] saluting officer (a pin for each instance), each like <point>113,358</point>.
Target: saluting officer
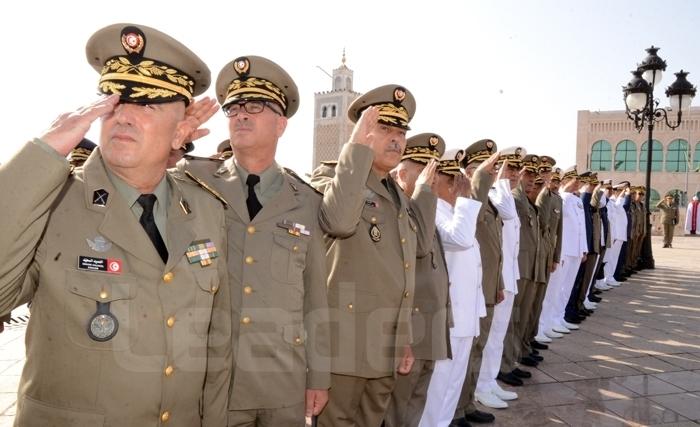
<point>124,262</point>
<point>374,235</point>
<point>276,250</point>
<point>432,318</point>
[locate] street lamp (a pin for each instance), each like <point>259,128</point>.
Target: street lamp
<point>642,108</point>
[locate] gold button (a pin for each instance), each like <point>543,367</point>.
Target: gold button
<point>165,416</point>
<point>249,260</point>
<point>170,322</point>
<point>350,306</point>
<point>103,294</point>
<point>407,266</point>
<point>251,229</point>
<point>401,215</point>
<point>403,240</point>
<point>295,248</point>
<point>169,371</point>
<point>297,340</point>
<point>247,290</point>
<point>406,294</point>
<point>168,277</point>
<point>245,320</point>
<point>416,309</point>
<point>214,288</point>
<point>373,220</point>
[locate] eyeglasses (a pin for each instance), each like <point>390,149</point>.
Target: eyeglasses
<point>250,107</point>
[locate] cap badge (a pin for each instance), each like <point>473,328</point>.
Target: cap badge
<point>535,159</point>
<point>133,42</point>
<point>399,94</point>
<point>518,151</point>
<point>241,66</point>
<point>489,144</point>
<point>433,141</point>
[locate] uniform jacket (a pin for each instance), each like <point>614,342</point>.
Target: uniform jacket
<point>372,244</point>
<point>574,227</point>
<point>529,235</point>
<point>502,198</point>
<point>276,269</point>
<point>668,212</point>
<point>173,319</point>
<point>549,209</point>
<point>488,233</point>
<point>457,229</point>
<point>587,215</point>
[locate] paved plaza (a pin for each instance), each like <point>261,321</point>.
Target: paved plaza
<point>635,362</point>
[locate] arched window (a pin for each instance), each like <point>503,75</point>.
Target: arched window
<point>333,111</point>
<point>626,156</point>
<point>601,156</point>
<point>324,112</point>
<point>654,198</point>
<point>336,83</point>
<point>657,156</point>
<point>696,158</point>
<point>677,156</point>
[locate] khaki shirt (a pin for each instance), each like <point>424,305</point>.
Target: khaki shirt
<point>372,247</point>
<point>528,258</point>
<point>68,250</point>
<point>277,276</point>
<point>549,207</point>
<point>489,234</point>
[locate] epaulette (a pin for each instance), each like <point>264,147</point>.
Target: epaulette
<point>211,159</point>
<point>208,189</point>
<point>300,179</point>
<point>329,163</point>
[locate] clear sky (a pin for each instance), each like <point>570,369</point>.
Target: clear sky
<point>514,71</point>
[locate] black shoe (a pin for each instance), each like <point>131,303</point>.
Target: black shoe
<point>588,312</point>
<point>509,379</point>
<point>479,417</point>
<point>459,422</point>
<point>583,313</point>
<point>575,320</point>
<point>538,346</point>
<point>537,357</point>
<point>528,361</point>
<point>594,298</point>
<point>534,351</point>
<point>521,374</point>
<point>597,292</point>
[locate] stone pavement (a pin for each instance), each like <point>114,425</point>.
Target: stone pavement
<point>635,362</point>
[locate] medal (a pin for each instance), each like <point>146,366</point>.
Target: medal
<point>374,233</point>
<point>103,325</point>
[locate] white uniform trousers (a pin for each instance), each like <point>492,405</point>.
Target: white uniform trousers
<point>446,385</point>
<point>551,301</point>
<point>611,257</point>
<point>491,360</point>
<point>571,265</point>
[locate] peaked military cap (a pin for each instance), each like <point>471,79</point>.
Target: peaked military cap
<point>145,66</point>
<point>530,163</point>
<point>81,152</point>
<point>585,177</point>
<point>423,147</point>
<point>478,151</point>
<point>593,179</point>
<point>254,78</point>
<point>396,105</point>
<point>514,155</point>
<point>621,185</point>
<point>539,180</point>
<point>556,175</point>
<point>570,172</point>
<point>449,162</point>
<point>546,164</point>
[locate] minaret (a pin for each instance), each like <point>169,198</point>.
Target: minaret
<point>332,128</point>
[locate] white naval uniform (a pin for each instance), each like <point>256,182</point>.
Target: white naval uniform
<point>618,233</point>
<point>457,228</point>
<point>501,197</point>
<point>689,217</point>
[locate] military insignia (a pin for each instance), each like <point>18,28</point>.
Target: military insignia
<point>133,42</point>
<point>99,197</point>
<point>433,141</point>
<point>399,94</point>
<point>241,66</point>
<point>185,206</point>
<point>518,151</point>
<point>535,159</point>
<point>374,233</point>
<point>201,251</point>
<point>557,211</point>
<point>99,244</point>
<point>489,144</point>
<point>371,203</point>
<point>459,155</point>
<point>294,228</point>
<point>103,325</point>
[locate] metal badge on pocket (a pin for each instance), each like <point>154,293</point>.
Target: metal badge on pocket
<point>103,325</point>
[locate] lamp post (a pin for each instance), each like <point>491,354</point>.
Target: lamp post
<point>643,109</point>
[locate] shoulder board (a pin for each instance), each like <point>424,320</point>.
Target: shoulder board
<point>298,178</point>
<point>207,188</point>
<point>329,163</point>
<point>210,159</point>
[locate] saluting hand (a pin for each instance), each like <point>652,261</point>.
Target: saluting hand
<point>489,165</point>
<point>461,186</point>
<point>427,175</point>
<point>70,128</point>
<point>363,132</point>
<point>196,114</point>
<point>501,170</point>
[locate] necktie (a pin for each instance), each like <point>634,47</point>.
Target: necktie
<point>391,191</point>
<point>252,201</point>
<point>149,225</point>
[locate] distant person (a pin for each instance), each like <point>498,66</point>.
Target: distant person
<point>669,218</point>
<point>692,216</point>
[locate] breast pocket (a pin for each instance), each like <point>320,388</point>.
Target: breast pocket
<point>288,258</point>
<point>84,291</point>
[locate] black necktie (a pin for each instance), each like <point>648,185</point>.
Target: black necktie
<point>252,201</point>
<point>148,223</point>
<point>391,191</point>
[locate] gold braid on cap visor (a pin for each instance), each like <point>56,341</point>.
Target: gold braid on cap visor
<point>257,89</point>
<point>420,154</point>
<point>479,156</point>
<point>449,167</point>
<point>570,174</point>
<point>160,81</point>
<point>393,115</point>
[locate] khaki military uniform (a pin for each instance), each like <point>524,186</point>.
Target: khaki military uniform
<point>642,230</point>
<point>374,237</point>
<point>277,275</point>
<point>70,243</point>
